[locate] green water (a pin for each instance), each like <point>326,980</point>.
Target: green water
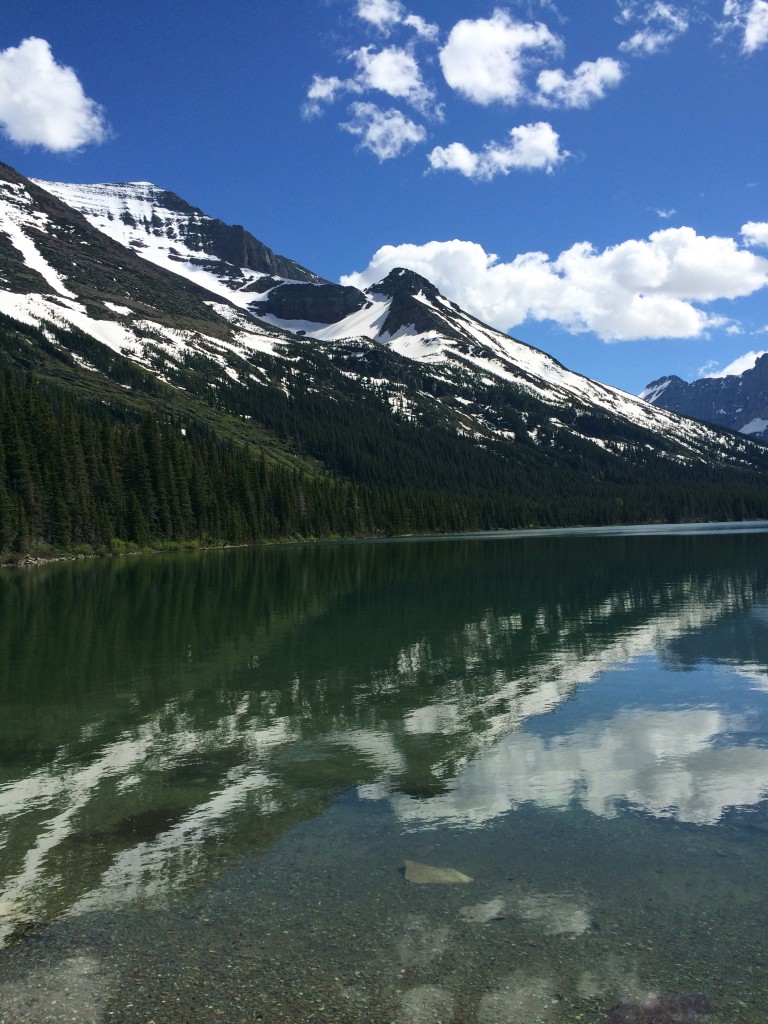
<point>213,768</point>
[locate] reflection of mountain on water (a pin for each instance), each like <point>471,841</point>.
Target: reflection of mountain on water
<point>736,639</point>
<point>161,717</point>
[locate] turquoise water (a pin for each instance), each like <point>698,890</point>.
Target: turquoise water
<point>214,767</point>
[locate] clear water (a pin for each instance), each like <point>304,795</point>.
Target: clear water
<point>214,767</point>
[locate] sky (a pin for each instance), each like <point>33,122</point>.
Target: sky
<point>590,176</point>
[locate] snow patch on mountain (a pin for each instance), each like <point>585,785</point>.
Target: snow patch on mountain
<point>17,213</point>
<point>142,217</point>
<point>756,426</point>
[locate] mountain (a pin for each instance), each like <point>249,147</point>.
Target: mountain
<point>400,411</point>
<point>405,313</point>
<point>738,401</point>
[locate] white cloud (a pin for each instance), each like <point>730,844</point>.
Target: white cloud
<point>738,366</point>
<point>422,28</point>
<point>532,147</point>
<point>649,288</point>
<point>665,214</point>
<point>385,14</point>
<point>325,90</point>
<point>42,103</point>
<point>750,17</point>
<point>662,24</point>
<point>756,27</point>
<point>485,60</point>
<point>386,133</point>
<point>393,71</point>
<point>755,233</point>
<point>381,13</point>
<point>587,84</point>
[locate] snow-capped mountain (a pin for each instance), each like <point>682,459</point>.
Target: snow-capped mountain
<point>158,281</point>
<point>738,401</point>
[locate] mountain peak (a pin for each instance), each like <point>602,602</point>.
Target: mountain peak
<point>400,282</point>
<point>169,230</point>
<point>738,401</point>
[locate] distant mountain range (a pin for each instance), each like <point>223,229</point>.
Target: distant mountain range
<point>738,401</point>
<point>394,387</point>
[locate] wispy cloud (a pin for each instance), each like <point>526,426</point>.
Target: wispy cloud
<point>42,103</point>
<point>661,23</point>
<point>750,19</point>
<point>386,133</point>
<point>531,147</point>
<point>386,14</point>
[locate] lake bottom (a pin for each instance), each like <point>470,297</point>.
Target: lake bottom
<point>567,915</point>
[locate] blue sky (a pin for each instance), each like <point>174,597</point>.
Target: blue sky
<point>590,175</point>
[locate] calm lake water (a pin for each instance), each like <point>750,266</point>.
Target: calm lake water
<point>214,767</point>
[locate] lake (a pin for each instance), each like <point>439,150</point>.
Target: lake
<point>214,768</point>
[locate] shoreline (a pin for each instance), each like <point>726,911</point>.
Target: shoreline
<point>31,561</point>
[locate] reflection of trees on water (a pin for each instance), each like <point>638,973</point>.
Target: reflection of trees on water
<point>166,714</point>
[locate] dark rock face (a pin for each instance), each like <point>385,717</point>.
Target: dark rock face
<point>736,401</point>
<point>235,245</point>
<point>399,282</point>
<point>693,1009</point>
<point>406,309</point>
<point>317,303</point>
<point>230,242</point>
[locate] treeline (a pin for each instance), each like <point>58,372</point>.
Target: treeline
<point>76,474</point>
<point>79,474</point>
<point>88,471</point>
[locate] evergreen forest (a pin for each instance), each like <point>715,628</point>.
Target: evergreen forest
<point>117,459</point>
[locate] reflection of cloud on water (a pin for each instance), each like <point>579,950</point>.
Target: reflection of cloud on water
<point>563,666</point>
<point>554,913</point>
<point>666,763</point>
<point>756,675</point>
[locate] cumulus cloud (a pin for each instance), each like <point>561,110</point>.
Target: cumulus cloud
<point>661,23</point>
<point>587,84</point>
<point>670,764</point>
<point>750,18</point>
<point>755,233</point>
<point>385,14</point>
<point>650,288</point>
<point>386,133</point>
<point>394,71</point>
<point>531,147</point>
<point>42,103</point>
<point>486,60</point>
<point>737,367</point>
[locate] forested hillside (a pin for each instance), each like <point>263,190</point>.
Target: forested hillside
<point>97,462</point>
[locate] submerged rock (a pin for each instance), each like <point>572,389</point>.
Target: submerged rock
<point>694,1009</point>
<point>423,874</point>
<point>482,913</point>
